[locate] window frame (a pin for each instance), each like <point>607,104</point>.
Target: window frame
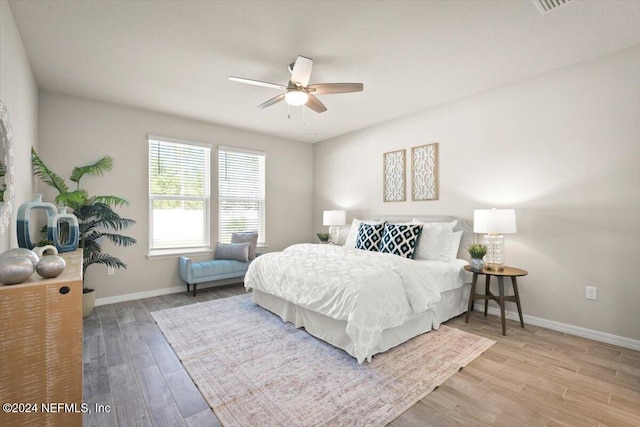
<point>262,231</point>
<point>181,250</point>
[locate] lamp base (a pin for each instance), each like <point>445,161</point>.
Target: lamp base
<point>494,260</point>
<point>334,235</point>
<point>494,267</point>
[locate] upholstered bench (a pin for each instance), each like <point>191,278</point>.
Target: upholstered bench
<point>210,271</point>
<point>230,261</point>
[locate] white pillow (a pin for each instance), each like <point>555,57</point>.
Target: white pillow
<point>353,232</point>
<point>435,241</point>
<point>456,237</point>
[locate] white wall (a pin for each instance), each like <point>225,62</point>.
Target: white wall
<point>75,131</point>
<point>562,148</point>
<point>19,94</point>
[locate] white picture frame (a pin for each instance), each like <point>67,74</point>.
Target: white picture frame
<point>424,172</point>
<point>394,184</point>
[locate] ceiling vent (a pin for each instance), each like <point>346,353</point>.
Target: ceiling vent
<point>546,6</point>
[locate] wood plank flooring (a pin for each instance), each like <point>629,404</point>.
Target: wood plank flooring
<point>531,377</point>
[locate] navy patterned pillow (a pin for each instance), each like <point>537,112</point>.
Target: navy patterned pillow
<point>400,239</point>
<point>369,236</point>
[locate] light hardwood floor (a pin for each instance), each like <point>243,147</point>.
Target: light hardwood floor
<point>531,377</point>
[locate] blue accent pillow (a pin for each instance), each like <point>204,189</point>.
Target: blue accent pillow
<point>369,236</point>
<point>232,251</point>
<point>250,237</point>
<point>400,239</point>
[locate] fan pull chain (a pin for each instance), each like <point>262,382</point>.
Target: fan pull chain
<point>289,111</point>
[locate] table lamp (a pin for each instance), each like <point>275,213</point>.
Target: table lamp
<point>494,222</point>
<point>334,219</point>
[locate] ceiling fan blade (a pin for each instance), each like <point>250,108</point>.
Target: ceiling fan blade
<point>315,104</point>
<point>328,88</point>
<point>301,72</point>
<point>272,101</point>
<point>257,83</point>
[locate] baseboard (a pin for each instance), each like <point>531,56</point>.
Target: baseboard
<point>563,327</point>
<point>159,292</point>
<point>140,295</point>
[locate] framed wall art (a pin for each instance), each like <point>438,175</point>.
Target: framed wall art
<point>394,176</point>
<point>424,172</point>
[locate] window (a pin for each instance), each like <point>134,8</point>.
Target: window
<point>241,193</point>
<point>179,194</point>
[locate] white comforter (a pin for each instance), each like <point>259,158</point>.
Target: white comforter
<point>369,290</point>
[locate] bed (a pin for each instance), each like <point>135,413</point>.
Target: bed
<point>362,301</point>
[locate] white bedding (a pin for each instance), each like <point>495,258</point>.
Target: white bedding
<point>370,291</point>
<point>449,275</point>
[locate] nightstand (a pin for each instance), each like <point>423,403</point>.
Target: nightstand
<point>500,298</point>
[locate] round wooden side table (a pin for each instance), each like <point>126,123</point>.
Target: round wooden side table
<point>500,298</point>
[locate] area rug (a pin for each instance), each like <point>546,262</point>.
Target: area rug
<point>256,370</point>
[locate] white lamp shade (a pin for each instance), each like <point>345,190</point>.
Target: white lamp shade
<point>499,221</point>
<point>333,218</point>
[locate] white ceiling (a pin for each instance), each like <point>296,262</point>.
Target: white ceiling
<point>176,56</point>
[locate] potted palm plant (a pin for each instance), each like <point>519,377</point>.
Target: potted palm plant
<point>97,219</point>
<point>477,251</point>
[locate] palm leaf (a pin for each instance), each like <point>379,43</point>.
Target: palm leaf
<point>112,200</point>
<point>104,259</point>
<point>119,239</point>
<point>98,168</point>
<point>102,215</point>
<point>114,224</point>
<point>72,198</point>
<point>91,243</point>
<point>47,175</point>
<point>91,239</point>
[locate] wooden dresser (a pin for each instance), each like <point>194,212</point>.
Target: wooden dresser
<point>41,349</point>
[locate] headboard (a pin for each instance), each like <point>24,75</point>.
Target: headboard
<point>467,230</point>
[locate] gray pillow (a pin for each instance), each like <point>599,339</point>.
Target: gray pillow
<point>247,236</point>
<point>232,251</point>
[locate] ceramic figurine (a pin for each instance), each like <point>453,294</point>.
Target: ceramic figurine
<point>21,253</point>
<point>45,250</point>
<point>50,266</point>
<point>15,270</point>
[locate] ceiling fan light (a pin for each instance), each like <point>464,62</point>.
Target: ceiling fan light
<point>296,97</point>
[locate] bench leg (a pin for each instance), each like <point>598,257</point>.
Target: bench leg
<point>194,288</point>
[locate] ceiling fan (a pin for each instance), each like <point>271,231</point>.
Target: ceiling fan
<point>298,91</point>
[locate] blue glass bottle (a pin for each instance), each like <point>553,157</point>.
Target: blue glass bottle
<point>24,216</point>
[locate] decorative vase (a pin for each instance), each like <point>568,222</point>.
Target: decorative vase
<point>476,264</point>
<point>63,230</point>
<point>88,302</point>
<point>15,270</point>
<point>21,253</point>
<point>24,216</point>
<point>50,266</point>
<point>45,250</point>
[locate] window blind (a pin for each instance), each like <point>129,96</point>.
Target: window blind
<point>241,193</point>
<point>179,194</point>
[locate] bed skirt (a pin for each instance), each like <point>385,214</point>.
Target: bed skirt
<point>452,303</point>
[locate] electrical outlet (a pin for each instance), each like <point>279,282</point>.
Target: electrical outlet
<point>591,292</point>
<point>111,271</point>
